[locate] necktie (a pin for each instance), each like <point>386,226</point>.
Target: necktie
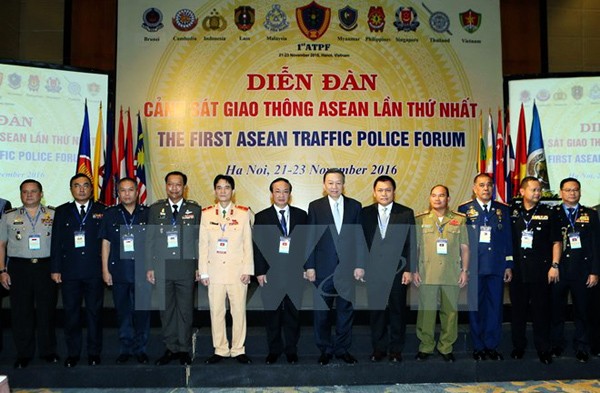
<point>175,211</point>
<point>82,211</point>
<point>283,222</point>
<point>224,213</point>
<point>485,209</point>
<point>384,222</point>
<point>337,219</point>
<point>571,213</point>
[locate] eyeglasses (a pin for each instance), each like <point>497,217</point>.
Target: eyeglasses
<point>569,190</point>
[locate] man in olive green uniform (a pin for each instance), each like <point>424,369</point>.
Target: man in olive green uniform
<point>443,246</point>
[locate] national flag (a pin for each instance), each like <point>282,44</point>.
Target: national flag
<point>108,196</point>
<point>140,162</point>
<point>511,188</point>
<point>500,178</point>
<point>481,147</point>
<point>521,157</point>
<point>129,146</point>
<point>490,143</point>
<point>99,156</point>
<point>84,162</point>
<point>536,158</point>
<point>120,148</point>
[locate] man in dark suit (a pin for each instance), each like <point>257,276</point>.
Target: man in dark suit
<point>336,256</point>
<point>173,228</point>
<point>279,249</point>
<point>389,231</point>
<point>490,241</point>
<point>76,265</point>
<point>579,267</point>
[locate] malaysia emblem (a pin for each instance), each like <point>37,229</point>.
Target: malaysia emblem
<point>406,19</point>
<point>594,91</point>
<point>152,20</point>
<point>93,88</point>
<point>244,17</point>
<point>376,19</point>
<point>185,20</point>
<point>214,22</point>
<point>34,83</point>
<point>348,18</point>
<point>470,20</point>
<point>14,80</point>
<point>53,85</point>
<point>577,92</point>
<point>276,19</point>
<point>313,20</point>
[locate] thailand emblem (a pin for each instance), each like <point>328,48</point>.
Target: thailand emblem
<point>276,19</point>
<point>470,20</point>
<point>439,21</point>
<point>184,20</point>
<point>348,18</point>
<point>244,17</point>
<point>313,20</point>
<point>152,20</point>
<point>376,19</point>
<point>406,19</point>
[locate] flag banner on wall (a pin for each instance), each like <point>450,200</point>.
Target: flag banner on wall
<point>84,154</point>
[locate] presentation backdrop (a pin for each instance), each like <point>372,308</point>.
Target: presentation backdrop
<point>261,89</point>
<point>41,116</point>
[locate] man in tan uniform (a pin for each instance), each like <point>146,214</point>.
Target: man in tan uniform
<point>225,265</point>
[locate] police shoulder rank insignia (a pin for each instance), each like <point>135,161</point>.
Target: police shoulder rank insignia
<point>313,20</point>
<point>348,18</point>
<point>244,17</point>
<point>276,19</point>
<point>406,19</point>
<point>152,20</point>
<point>376,19</point>
<point>470,20</point>
<point>185,20</point>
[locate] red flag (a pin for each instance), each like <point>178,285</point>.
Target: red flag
<point>129,146</point>
<point>509,158</point>
<point>108,195</point>
<point>120,148</point>
<point>500,179</point>
<point>521,157</point>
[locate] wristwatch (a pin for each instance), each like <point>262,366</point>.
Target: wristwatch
<point>555,265</point>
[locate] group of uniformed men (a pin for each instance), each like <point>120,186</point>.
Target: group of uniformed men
<point>542,252</point>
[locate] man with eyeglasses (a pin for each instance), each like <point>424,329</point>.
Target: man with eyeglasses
<point>579,267</point>
<point>77,266</point>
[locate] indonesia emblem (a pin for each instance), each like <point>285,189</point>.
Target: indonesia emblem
<point>313,20</point>
<point>470,20</point>
<point>348,18</point>
<point>244,17</point>
<point>185,20</point>
<point>276,19</point>
<point>152,19</point>
<point>376,19</point>
<point>406,19</point>
<point>214,22</point>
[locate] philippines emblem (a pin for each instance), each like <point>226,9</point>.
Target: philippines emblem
<point>348,18</point>
<point>34,83</point>
<point>276,19</point>
<point>185,20</point>
<point>439,21</point>
<point>152,19</point>
<point>14,80</point>
<point>53,85</point>
<point>214,22</point>
<point>577,92</point>
<point>313,20</point>
<point>376,19</point>
<point>406,19</point>
<point>470,20</point>
<point>244,17</point>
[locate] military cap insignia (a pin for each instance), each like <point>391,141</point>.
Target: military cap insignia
<point>348,18</point>
<point>376,19</point>
<point>313,20</point>
<point>406,19</point>
<point>470,20</point>
<point>184,20</point>
<point>276,19</point>
<point>152,20</point>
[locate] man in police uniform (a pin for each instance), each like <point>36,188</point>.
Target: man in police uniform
<point>123,237</point>
<point>172,263</point>
<point>536,251</point>
<point>443,269</point>
<point>490,242</point>
<point>225,265</point>
<point>25,236</point>
<point>579,267</point>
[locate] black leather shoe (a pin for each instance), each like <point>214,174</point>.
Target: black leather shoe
<point>325,358</point>
<point>517,353</point>
<point>94,360</point>
<point>448,357</point>
<point>166,358</point>
<point>582,356</point>
<point>142,358</point>
<point>377,356</point>
<point>545,357</point>
<point>214,359</point>
<point>492,354</point>
<point>185,359</point>
<point>22,362</point>
<point>556,352</point>
<point>347,358</point>
<point>292,358</point>
<point>478,355</point>
<point>421,356</point>
<point>52,358</point>
<point>271,358</point>
<point>395,357</point>
<point>71,361</point>
<point>123,358</point>
<point>243,359</point>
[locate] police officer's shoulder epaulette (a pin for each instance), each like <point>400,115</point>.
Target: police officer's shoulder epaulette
<point>49,207</point>
<point>208,208</point>
<point>192,202</point>
<point>422,213</point>
<point>466,202</point>
<point>159,202</point>
<point>502,203</point>
<point>595,208</point>
<point>11,210</point>
<point>458,213</point>
<point>241,207</point>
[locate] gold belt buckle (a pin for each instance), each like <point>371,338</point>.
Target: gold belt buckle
<point>34,260</point>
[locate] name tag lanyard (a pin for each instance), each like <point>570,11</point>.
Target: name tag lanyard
<point>33,222</point>
<point>128,244</point>
<point>528,222</point>
<point>441,244</point>
<point>34,238</point>
<point>79,218</point>
<point>128,225</point>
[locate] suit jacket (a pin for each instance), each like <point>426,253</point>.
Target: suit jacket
<point>77,263</point>
<point>226,267</point>
<point>495,257</point>
<point>270,216</point>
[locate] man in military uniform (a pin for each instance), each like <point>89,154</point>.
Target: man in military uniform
<point>172,263</point>
<point>490,242</point>
<point>225,266</point>
<point>443,269</point>
<point>25,236</point>
<point>123,237</point>
<point>579,267</point>
<point>536,251</point>
<point>76,265</point>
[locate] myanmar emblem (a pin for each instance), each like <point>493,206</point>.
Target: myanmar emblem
<point>244,17</point>
<point>276,19</point>
<point>313,20</point>
<point>185,20</point>
<point>376,19</point>
<point>348,18</point>
<point>470,20</point>
<point>152,19</point>
<point>14,80</point>
<point>406,19</point>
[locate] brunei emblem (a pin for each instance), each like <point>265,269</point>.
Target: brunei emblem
<point>34,83</point>
<point>214,22</point>
<point>348,18</point>
<point>406,19</point>
<point>152,20</point>
<point>276,19</point>
<point>185,20</point>
<point>470,20</point>
<point>376,19</point>
<point>313,20</point>
<point>577,92</point>
<point>244,17</point>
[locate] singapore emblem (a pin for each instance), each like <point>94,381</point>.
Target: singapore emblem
<point>406,19</point>
<point>244,17</point>
<point>276,19</point>
<point>470,20</point>
<point>152,19</point>
<point>313,20</point>
<point>185,20</point>
<point>214,22</point>
<point>348,18</point>
<point>376,19</point>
